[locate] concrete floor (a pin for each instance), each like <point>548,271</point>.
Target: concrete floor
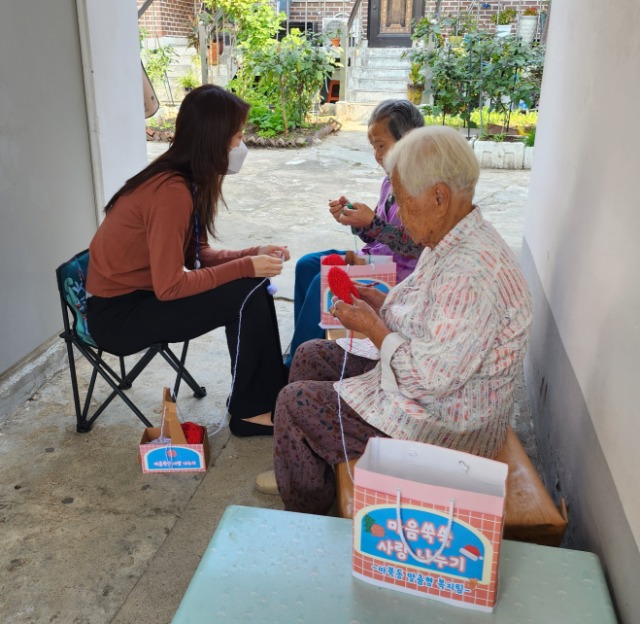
<point>86,537</point>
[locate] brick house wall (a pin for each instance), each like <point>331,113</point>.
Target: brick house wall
<point>168,18</point>
<point>315,11</point>
<point>485,16</point>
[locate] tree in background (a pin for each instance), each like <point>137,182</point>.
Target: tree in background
<point>279,78</point>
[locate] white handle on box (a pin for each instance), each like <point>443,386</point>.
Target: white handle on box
<point>445,539</point>
<point>165,440</point>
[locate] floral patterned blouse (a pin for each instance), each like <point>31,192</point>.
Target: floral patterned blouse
<point>460,324</point>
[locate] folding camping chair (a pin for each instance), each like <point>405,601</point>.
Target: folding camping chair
<point>71,278</point>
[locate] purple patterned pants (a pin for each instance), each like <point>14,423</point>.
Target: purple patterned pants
<point>307,436</point>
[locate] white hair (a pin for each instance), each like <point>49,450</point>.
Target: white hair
<point>432,155</point>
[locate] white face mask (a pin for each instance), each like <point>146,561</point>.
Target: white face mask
<point>236,157</point>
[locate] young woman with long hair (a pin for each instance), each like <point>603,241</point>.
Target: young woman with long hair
<point>154,278</point>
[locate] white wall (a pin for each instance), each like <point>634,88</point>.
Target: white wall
<point>583,236</point>
<point>109,35</point>
<point>48,199</point>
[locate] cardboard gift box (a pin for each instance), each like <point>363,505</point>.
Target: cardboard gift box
<point>175,455</point>
<point>379,272</point>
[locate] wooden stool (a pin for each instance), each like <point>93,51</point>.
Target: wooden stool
<point>333,92</point>
<point>530,513</point>
<point>341,332</point>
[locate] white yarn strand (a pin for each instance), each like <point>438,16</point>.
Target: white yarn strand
<point>223,421</point>
<point>445,538</point>
<point>235,364</point>
<point>165,440</point>
<point>344,442</point>
<point>221,424</point>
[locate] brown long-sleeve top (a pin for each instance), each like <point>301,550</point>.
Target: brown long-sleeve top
<point>147,241</point>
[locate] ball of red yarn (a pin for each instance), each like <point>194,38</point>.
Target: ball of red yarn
<point>341,285</point>
<point>333,260</point>
<point>193,433</point>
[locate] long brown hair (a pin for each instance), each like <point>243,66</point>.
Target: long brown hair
<point>208,118</point>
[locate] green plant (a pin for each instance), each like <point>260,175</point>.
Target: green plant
<point>530,11</point>
<point>521,121</point>
<point>157,60</point>
<point>506,16</point>
<point>189,81</point>
<point>252,22</point>
<point>143,34</point>
<point>450,82</point>
<point>427,39</point>
<point>416,75</point>
<point>282,78</point>
<point>460,24</point>
<point>515,77</point>
<point>427,33</point>
<point>164,123</point>
<point>530,137</point>
<point>193,24</point>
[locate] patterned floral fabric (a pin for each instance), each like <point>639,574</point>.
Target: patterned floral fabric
<point>461,322</point>
<point>308,437</point>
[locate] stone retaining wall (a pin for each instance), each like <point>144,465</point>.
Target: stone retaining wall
<point>493,155</point>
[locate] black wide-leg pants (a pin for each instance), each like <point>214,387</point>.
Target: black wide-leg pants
<point>129,323</point>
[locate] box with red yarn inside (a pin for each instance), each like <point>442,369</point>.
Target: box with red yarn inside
<point>174,446</point>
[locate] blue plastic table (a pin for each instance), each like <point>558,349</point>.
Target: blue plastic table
<point>262,567</point>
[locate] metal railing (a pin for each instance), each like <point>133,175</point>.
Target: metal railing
<point>350,41</point>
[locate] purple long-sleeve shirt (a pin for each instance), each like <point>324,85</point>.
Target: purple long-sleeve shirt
<point>386,236</point>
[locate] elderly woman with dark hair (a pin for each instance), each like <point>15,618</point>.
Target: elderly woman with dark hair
<point>451,337</point>
<point>381,229</point>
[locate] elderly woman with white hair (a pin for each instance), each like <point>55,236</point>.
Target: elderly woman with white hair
<point>451,337</point>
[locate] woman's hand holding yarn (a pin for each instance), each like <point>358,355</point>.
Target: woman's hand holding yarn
<point>357,215</point>
<point>336,206</point>
<point>266,266</point>
<point>277,251</point>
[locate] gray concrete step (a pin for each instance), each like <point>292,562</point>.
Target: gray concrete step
<point>396,84</point>
<point>380,73</point>
<point>373,63</point>
<point>370,95</point>
<point>377,74</point>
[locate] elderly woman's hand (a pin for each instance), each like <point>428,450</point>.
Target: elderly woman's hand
<point>372,296</point>
<point>361,317</point>
<point>336,206</point>
<point>358,216</point>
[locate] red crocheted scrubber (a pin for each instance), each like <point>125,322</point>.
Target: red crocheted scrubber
<point>333,260</point>
<point>193,433</point>
<point>341,285</point>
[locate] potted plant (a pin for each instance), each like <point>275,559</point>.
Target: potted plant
<point>415,88</point>
<point>504,19</point>
<point>335,36</point>
<point>528,24</point>
<point>189,81</point>
<point>458,26</point>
